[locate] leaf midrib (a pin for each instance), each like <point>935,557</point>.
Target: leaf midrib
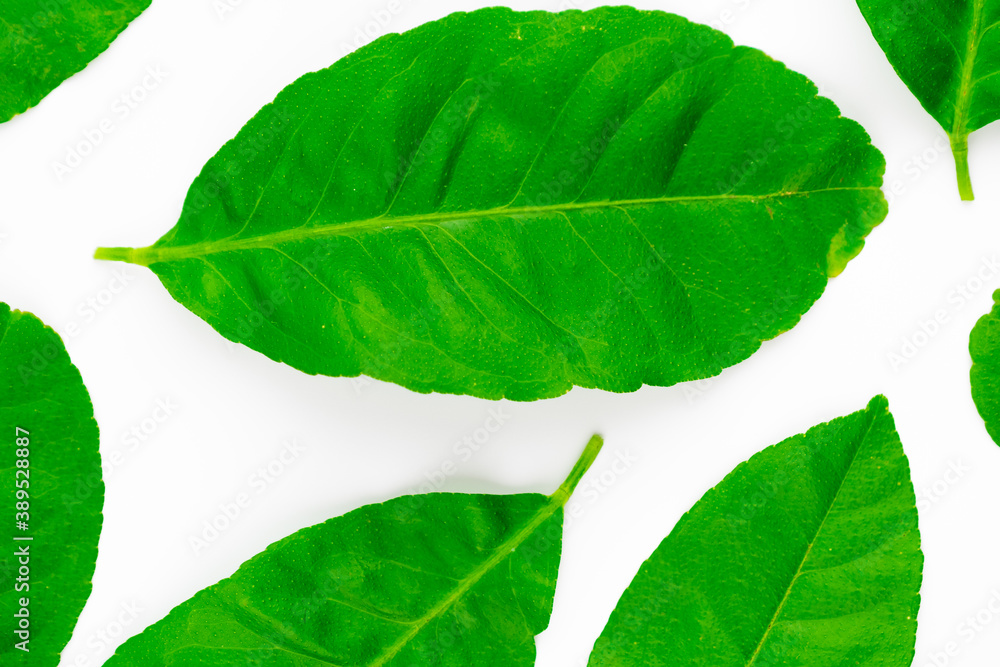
<point>963,102</point>
<point>154,254</point>
<point>464,585</point>
<point>788,590</point>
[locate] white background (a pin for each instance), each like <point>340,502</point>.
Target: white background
<point>367,442</point>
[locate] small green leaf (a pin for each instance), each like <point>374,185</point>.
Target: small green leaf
<point>51,463</point>
<point>947,52</point>
<point>44,43</point>
<point>509,204</point>
<point>440,579</point>
<point>806,555</point>
<point>984,346</point>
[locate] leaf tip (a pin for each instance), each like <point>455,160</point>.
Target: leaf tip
<point>878,404</point>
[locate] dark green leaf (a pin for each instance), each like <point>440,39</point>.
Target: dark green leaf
<point>445,579</point>
<point>43,43</point>
<point>947,52</point>
<point>807,555</point>
<point>55,469</point>
<point>509,204</point>
<point>984,346</point>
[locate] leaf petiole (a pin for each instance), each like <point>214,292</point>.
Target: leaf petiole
<point>960,149</point>
<point>579,470</point>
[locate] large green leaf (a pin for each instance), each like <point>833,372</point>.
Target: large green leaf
<point>807,555</point>
<point>446,579</point>
<point>984,346</point>
<point>51,463</point>
<point>947,52</point>
<point>509,204</point>
<point>43,43</point>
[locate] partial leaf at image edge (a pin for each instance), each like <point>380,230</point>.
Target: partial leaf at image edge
<point>984,348</point>
<point>439,579</point>
<point>807,554</point>
<point>44,43</point>
<point>55,469</point>
<point>510,204</point>
<point>947,52</point>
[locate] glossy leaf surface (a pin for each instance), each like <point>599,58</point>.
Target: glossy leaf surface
<point>808,555</point>
<point>445,579</point>
<point>44,43</point>
<point>984,346</point>
<point>50,462</point>
<point>947,52</point>
<point>509,204</point>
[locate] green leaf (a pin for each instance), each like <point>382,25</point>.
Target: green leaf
<point>947,52</point>
<point>807,555</point>
<point>44,43</point>
<point>440,579</point>
<point>56,467</point>
<point>509,204</point>
<point>984,346</point>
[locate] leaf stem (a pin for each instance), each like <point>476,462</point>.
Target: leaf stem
<point>579,470</point>
<point>115,254</point>
<point>960,149</point>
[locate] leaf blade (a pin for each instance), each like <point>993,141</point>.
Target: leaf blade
<point>984,376</point>
<point>41,46</point>
<point>807,554</point>
<point>42,396</point>
<point>450,579</point>
<point>946,54</point>
<point>516,238</point>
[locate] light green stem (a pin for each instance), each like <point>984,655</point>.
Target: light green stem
<point>115,254</point>
<point>960,149</point>
<point>579,470</point>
